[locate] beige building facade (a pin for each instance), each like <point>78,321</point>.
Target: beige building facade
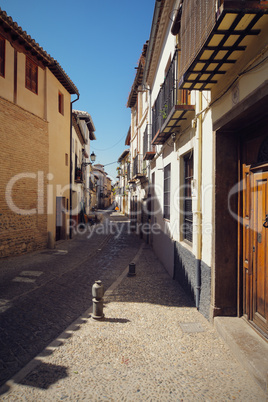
<point>82,134</point>
<point>102,185</point>
<point>123,185</point>
<point>35,96</point>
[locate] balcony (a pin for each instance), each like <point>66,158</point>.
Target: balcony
<point>148,148</point>
<point>138,170</point>
<point>129,173</point>
<point>78,176</point>
<point>171,107</point>
<point>211,42</point>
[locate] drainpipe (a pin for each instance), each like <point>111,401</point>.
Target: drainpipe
<point>149,139</point>
<point>149,147</point>
<point>71,167</point>
<point>198,210</point>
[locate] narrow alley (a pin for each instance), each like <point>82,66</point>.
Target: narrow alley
<point>152,344</point>
<point>134,180</point>
<point>44,292</point>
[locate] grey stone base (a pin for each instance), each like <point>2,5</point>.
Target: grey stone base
<point>184,273</point>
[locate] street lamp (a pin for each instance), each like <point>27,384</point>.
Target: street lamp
<point>92,157</point>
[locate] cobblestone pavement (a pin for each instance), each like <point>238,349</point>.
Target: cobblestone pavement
<point>152,345</point>
<point>42,293</point>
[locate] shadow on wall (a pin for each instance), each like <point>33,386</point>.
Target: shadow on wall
<point>184,264</point>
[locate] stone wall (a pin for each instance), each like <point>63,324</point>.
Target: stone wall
<point>23,180</point>
<point>185,274</point>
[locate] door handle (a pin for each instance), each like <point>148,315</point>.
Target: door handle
<point>265,224</point>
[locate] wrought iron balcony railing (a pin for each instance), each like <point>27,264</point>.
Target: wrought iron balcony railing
<point>148,148</point>
<point>129,172</point>
<point>171,106</point>
<point>138,166</point>
<point>121,190</point>
<point>78,175</point>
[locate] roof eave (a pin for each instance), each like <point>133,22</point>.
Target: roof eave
<point>123,155</point>
<point>36,49</point>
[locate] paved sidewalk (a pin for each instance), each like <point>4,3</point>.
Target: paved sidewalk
<point>42,293</point>
<point>152,345</point>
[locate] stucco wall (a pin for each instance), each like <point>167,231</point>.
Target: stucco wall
<point>26,98</point>
<point>59,145</point>
<point>7,82</point>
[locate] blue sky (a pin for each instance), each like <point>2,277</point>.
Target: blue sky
<point>98,44</point>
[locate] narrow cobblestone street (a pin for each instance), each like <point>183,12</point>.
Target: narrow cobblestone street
<point>152,345</point>
<point>43,293</point>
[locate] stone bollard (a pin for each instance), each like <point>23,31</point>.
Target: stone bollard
<point>97,294</point>
<point>131,269</point>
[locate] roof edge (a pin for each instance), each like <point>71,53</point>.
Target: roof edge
<point>48,61</point>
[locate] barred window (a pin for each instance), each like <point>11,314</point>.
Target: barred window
<point>2,56</point>
<point>188,213</point>
<point>167,171</point>
<point>31,78</point>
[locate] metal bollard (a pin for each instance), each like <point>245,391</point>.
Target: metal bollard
<point>97,294</point>
<point>131,269</point>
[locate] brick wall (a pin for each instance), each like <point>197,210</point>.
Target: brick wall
<point>23,151</point>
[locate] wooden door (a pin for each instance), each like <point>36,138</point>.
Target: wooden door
<point>247,248</point>
<point>260,249</point>
<point>255,246</point>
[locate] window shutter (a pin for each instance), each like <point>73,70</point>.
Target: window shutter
<point>167,174</point>
<point>188,212</point>
<point>34,77</point>
<point>60,102</point>
<point>28,74</point>
<point>2,56</point>
<point>31,76</point>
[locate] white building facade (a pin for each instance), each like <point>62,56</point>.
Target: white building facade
<point>204,82</point>
<point>82,133</point>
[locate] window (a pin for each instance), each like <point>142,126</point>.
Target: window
<point>188,213</point>
<point>60,102</point>
<point>2,56</point>
<point>167,192</point>
<point>137,111</point>
<point>31,81</point>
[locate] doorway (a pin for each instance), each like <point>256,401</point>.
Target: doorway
<point>60,218</point>
<point>240,209</point>
<point>255,245</point>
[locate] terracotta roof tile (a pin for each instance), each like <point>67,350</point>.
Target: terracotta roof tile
<point>12,26</point>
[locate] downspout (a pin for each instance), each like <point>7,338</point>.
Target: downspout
<point>149,139</point>
<point>149,146</point>
<point>198,211</point>
<point>71,167</point>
